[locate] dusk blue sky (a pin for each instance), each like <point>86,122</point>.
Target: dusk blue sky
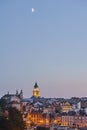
<point>48,46</point>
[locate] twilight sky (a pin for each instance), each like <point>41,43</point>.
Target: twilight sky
<point>48,46</point>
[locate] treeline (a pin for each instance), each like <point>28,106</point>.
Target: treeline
<point>42,128</point>
<point>10,118</point>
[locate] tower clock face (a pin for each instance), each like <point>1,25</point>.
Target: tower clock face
<point>37,93</point>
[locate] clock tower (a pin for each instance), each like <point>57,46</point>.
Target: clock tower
<point>36,92</point>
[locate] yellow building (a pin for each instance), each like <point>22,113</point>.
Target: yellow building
<point>37,119</point>
<point>66,106</point>
<point>36,92</point>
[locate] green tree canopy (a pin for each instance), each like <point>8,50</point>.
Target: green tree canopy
<point>15,119</point>
<point>42,128</point>
<point>3,123</point>
<point>13,122</point>
<point>3,104</point>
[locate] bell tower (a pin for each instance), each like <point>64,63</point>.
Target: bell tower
<point>36,92</point>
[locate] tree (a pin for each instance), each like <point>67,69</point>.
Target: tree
<point>15,119</point>
<point>42,128</point>
<point>4,123</point>
<point>3,104</point>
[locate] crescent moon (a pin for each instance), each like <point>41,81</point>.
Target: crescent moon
<point>33,10</point>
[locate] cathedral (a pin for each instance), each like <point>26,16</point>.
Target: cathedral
<point>36,92</point>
